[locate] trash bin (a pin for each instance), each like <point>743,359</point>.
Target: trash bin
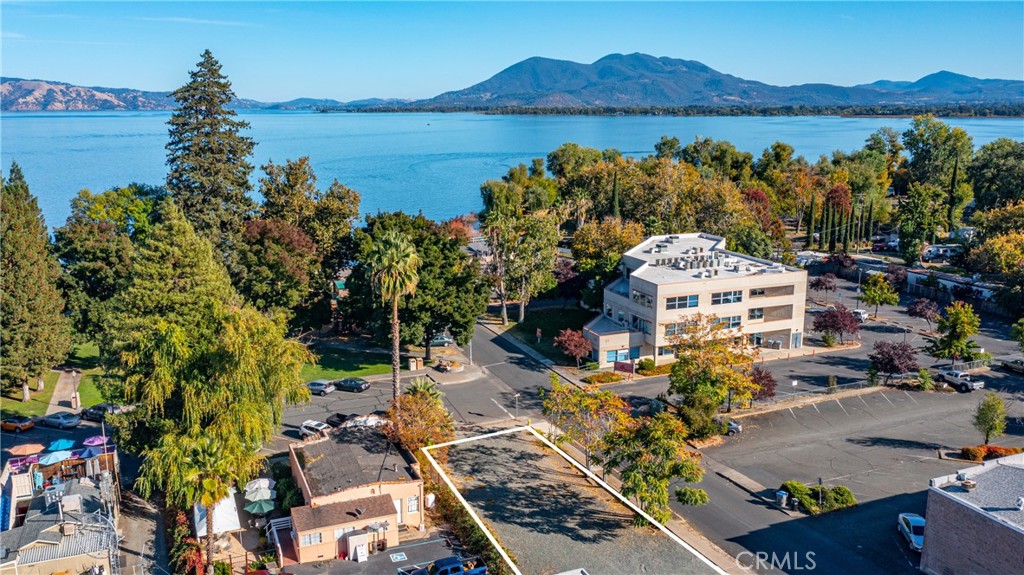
<point>780,498</point>
<point>794,504</point>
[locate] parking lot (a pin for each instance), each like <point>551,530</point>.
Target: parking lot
<point>884,446</point>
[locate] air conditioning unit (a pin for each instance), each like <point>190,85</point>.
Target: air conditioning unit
<point>961,476</point>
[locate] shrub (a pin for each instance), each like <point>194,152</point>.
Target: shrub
<point>833,384</point>
<point>828,340</point>
<point>646,364</point>
<point>832,498</point>
<point>221,568</point>
<point>663,369</point>
<point>925,379</point>
<point>591,366</point>
<point>603,377</point>
<point>872,376</point>
<point>983,452</point>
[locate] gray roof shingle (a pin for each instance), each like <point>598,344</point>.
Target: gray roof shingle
<point>374,507</point>
<point>350,457</point>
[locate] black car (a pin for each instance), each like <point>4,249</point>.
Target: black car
<point>354,384</point>
<point>338,418</point>
<point>99,412</point>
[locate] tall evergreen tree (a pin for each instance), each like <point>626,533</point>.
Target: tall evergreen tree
<point>34,333</point>
<point>208,158</point>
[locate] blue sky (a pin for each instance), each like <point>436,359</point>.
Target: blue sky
<point>275,51</point>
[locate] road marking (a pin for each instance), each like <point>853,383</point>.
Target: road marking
<point>791,411</point>
<point>887,399</point>
<point>510,416</point>
<point>815,406</point>
<point>493,364</point>
<point>864,402</point>
<point>841,407</point>
<point>908,395</point>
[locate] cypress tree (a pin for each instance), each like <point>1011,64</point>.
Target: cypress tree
<point>208,158</point>
<point>35,334</point>
<point>847,229</point>
<point>951,202</point>
<point>833,228</point>
<point>810,225</point>
<point>616,212</point>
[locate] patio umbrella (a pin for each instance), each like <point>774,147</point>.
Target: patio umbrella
<point>55,457</point>
<point>90,452</point>
<point>26,449</point>
<point>259,482</point>
<point>61,445</point>
<point>261,507</point>
<point>260,493</point>
<point>95,440</point>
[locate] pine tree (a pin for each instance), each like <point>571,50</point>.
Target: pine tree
<point>35,335</point>
<point>810,225</point>
<point>209,158</point>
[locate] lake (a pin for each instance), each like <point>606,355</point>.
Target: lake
<point>432,163</point>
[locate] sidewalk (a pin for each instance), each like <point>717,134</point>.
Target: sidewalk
<point>63,391</point>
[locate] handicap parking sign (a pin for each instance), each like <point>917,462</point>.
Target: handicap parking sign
<point>396,557</point>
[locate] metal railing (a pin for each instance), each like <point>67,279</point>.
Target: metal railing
<point>825,390</point>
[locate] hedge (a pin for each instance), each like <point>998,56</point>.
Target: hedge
<point>983,452</point>
<point>603,377</point>
<point>833,498</point>
<point>663,369</point>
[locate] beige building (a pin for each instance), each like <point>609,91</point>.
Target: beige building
<point>667,278</point>
<point>360,491</point>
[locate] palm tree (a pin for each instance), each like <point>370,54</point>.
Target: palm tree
<point>393,262</point>
<point>426,388</point>
<point>195,470</point>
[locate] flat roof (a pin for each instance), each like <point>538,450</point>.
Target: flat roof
<point>678,258</point>
<point>349,457</point>
<point>999,483</point>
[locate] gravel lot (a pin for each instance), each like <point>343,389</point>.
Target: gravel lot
<point>551,518</point>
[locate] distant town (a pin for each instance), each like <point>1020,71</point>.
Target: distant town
<point>692,360</point>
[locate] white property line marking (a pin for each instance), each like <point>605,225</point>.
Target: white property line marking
<point>502,408</point>
<point>575,464</point>
<point>841,407</point>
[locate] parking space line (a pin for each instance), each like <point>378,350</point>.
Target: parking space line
<point>887,399</point>
<point>493,364</point>
<point>815,406</point>
<point>908,395</point>
<point>510,416</point>
<point>841,407</point>
<point>864,402</point>
<point>791,411</point>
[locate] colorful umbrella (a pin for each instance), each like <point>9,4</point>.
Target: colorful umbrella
<point>259,482</point>
<point>261,507</point>
<point>90,452</point>
<point>95,440</point>
<point>26,449</point>
<point>55,457</point>
<point>260,493</point>
<point>61,445</point>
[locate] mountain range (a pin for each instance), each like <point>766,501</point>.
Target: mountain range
<point>616,81</point>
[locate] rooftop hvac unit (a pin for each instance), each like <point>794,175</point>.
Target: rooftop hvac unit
<point>701,248</point>
<point>716,272</point>
<point>661,245</point>
<point>961,476</point>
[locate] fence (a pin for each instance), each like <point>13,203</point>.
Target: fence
<point>794,395</point>
<point>968,365</point>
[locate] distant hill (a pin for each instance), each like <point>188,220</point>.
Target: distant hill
<point>642,80</point>
<point>615,81</point>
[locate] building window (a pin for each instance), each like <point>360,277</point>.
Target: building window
<point>311,539</point>
<point>341,531</point>
<point>756,292</point>
<point>665,350</point>
<point>672,329</point>
<point>681,302</point>
<point>756,339</point>
<point>622,354</point>
<point>796,341</point>
<point>726,297</point>
<point>414,504</point>
<point>641,324</point>
<point>622,317</point>
<point>756,313</point>
<point>643,299</point>
<point>608,310</point>
<point>731,322</point>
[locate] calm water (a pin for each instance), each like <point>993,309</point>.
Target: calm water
<point>432,163</point>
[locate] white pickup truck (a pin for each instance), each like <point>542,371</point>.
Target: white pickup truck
<point>960,380</point>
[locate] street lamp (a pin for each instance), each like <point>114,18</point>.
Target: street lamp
<point>516,396</point>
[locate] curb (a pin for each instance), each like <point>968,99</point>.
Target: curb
<point>779,406</point>
<point>744,483</point>
<point>527,351</point>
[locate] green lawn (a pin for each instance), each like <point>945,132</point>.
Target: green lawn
<point>88,392</point>
<point>11,403</point>
<point>84,357</point>
<point>551,321</point>
<point>340,363</point>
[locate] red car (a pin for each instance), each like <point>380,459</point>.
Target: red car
<point>879,247</point>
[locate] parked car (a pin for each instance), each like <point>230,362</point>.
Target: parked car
<point>1016,365</point>
<point>353,384</point>
<point>441,340</point>
<point>879,247</point>
<point>313,427</point>
<point>911,525</point>
<point>100,411</point>
<point>320,387</point>
<point>960,380</point>
<point>17,424</point>
<point>62,420</point>
<point>731,426</point>
<point>454,565</point>
<point>338,418</point>
<point>861,315</point>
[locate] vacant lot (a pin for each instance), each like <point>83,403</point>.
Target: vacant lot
<point>551,518</point>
